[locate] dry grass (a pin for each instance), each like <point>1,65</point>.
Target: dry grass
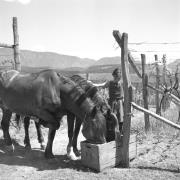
<point>160,146</point>
<point>157,127</point>
<point>159,156</point>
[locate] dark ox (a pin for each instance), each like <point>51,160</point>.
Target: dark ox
<point>74,126</point>
<point>74,123</point>
<point>49,96</point>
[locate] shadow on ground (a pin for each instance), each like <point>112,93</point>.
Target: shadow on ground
<point>35,158</point>
<point>160,169</point>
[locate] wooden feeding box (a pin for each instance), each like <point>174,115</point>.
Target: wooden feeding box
<point>101,156</point>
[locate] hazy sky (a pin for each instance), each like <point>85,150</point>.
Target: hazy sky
<point>84,27</point>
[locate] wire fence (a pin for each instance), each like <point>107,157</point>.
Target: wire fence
<point>171,49</point>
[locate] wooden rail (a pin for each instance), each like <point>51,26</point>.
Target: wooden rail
<point>156,116</point>
<point>3,45</point>
<point>155,89</point>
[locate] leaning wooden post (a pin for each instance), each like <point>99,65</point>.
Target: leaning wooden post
<point>16,45</point>
<point>131,60</point>
<point>157,85</point>
<point>127,100</point>
<point>145,91</point>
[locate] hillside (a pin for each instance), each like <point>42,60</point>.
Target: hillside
<point>35,61</point>
<point>46,59</point>
<point>107,61</point>
<point>174,64</point>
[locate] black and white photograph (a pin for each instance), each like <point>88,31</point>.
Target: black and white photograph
<point>89,89</point>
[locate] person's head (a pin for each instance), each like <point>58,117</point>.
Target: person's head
<point>116,74</point>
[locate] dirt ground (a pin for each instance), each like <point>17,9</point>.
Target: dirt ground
<point>159,158</point>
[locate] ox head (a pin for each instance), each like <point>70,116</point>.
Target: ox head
<point>112,125</point>
<point>99,128</point>
<point>94,127</point>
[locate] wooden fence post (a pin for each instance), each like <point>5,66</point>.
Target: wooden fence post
<point>157,85</point>
<point>87,76</point>
<point>145,91</point>
<point>127,100</point>
<point>164,70</point>
<point>16,45</point>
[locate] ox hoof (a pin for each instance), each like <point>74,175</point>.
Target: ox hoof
<point>77,153</point>
<point>43,146</point>
<point>10,148</point>
<point>72,156</point>
<point>49,156</point>
<point>28,147</point>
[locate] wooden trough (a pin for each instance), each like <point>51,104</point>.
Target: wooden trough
<point>101,156</point>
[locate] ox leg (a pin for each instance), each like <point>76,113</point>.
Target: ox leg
<point>48,151</point>
<point>40,136</point>
<point>5,127</point>
<point>26,129</point>
<point>70,122</point>
<point>53,123</point>
<point>76,133</point>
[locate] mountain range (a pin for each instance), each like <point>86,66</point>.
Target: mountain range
<point>42,60</point>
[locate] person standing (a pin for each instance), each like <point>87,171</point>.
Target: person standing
<point>116,95</point>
